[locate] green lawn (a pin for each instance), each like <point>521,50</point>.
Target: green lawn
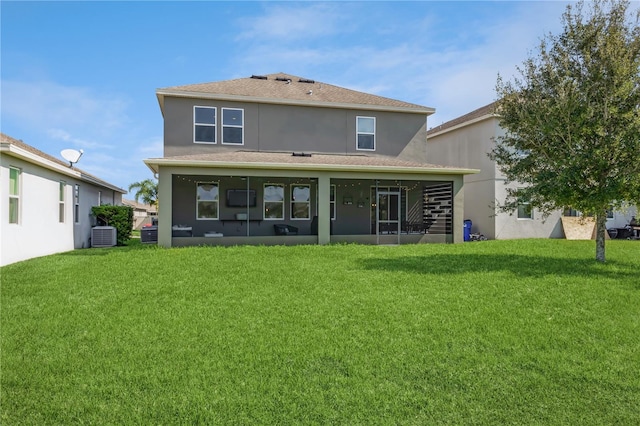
<point>497,332</point>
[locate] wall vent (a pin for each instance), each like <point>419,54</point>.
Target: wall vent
<point>103,236</point>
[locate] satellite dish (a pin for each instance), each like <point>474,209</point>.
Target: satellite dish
<point>71,155</point>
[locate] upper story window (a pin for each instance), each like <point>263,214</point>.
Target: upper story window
<point>204,124</point>
<point>233,126</point>
<point>14,195</point>
<point>366,133</point>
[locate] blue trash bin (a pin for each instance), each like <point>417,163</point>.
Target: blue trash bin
<point>467,230</point>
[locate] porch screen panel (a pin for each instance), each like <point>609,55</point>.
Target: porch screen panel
<point>438,208</point>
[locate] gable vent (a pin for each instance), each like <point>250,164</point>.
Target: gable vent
<point>259,77</point>
<point>103,236</point>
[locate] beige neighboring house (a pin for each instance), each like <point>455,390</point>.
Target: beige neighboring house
<point>281,159</point>
<point>143,214</point>
<point>46,204</point>
<point>465,142</point>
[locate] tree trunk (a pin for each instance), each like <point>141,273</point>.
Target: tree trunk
<point>601,228</point>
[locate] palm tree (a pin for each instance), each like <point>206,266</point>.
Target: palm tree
<point>147,190</point>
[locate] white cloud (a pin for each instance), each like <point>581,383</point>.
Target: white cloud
<point>52,117</point>
<point>151,148</point>
<point>454,72</point>
<point>293,24</point>
<point>64,112</point>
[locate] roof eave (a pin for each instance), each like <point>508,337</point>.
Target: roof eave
<point>161,93</point>
<point>154,165</point>
<point>30,157</point>
<point>461,125</point>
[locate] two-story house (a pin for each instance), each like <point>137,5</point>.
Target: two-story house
<point>466,141</point>
<point>279,159</point>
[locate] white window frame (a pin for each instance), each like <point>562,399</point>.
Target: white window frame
<point>264,201</point>
<point>99,198</point>
<point>292,201</point>
<point>610,213</point>
<point>358,133</point>
<point>214,125</point>
<point>524,205</point>
<point>15,197</point>
<point>62,202</point>
<point>332,202</point>
<point>241,126</point>
<point>216,201</point>
<point>76,203</point>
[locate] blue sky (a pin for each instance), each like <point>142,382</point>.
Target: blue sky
<point>83,75</point>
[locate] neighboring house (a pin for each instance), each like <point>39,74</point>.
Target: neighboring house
<point>279,159</point>
<point>143,214</point>
<point>465,142</point>
<point>46,204</point>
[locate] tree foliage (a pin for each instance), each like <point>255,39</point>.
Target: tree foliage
<point>146,190</point>
<point>572,117</point>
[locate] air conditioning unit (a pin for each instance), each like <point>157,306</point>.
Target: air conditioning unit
<point>103,236</point>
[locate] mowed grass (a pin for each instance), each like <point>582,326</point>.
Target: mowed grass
<point>497,332</point>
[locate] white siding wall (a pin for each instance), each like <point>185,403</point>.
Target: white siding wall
<point>468,146</point>
<point>39,231</point>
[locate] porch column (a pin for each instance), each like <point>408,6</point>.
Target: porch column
<point>165,178</point>
<point>324,209</point>
<point>458,209</point>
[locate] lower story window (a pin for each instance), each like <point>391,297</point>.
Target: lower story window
<point>76,203</point>
<point>300,202</point>
<point>525,211</point>
<point>207,201</point>
<point>14,195</point>
<point>273,198</point>
<point>332,201</point>
<point>61,202</point>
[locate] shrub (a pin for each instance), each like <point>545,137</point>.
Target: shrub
<point>120,217</point>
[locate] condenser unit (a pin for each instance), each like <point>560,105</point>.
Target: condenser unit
<point>103,236</point>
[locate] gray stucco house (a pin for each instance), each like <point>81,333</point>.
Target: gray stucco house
<point>46,204</point>
<point>465,142</point>
<point>280,159</point>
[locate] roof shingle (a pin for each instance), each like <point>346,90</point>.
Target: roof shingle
<point>288,158</point>
<point>487,110</point>
<point>286,87</point>
<point>20,144</point>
